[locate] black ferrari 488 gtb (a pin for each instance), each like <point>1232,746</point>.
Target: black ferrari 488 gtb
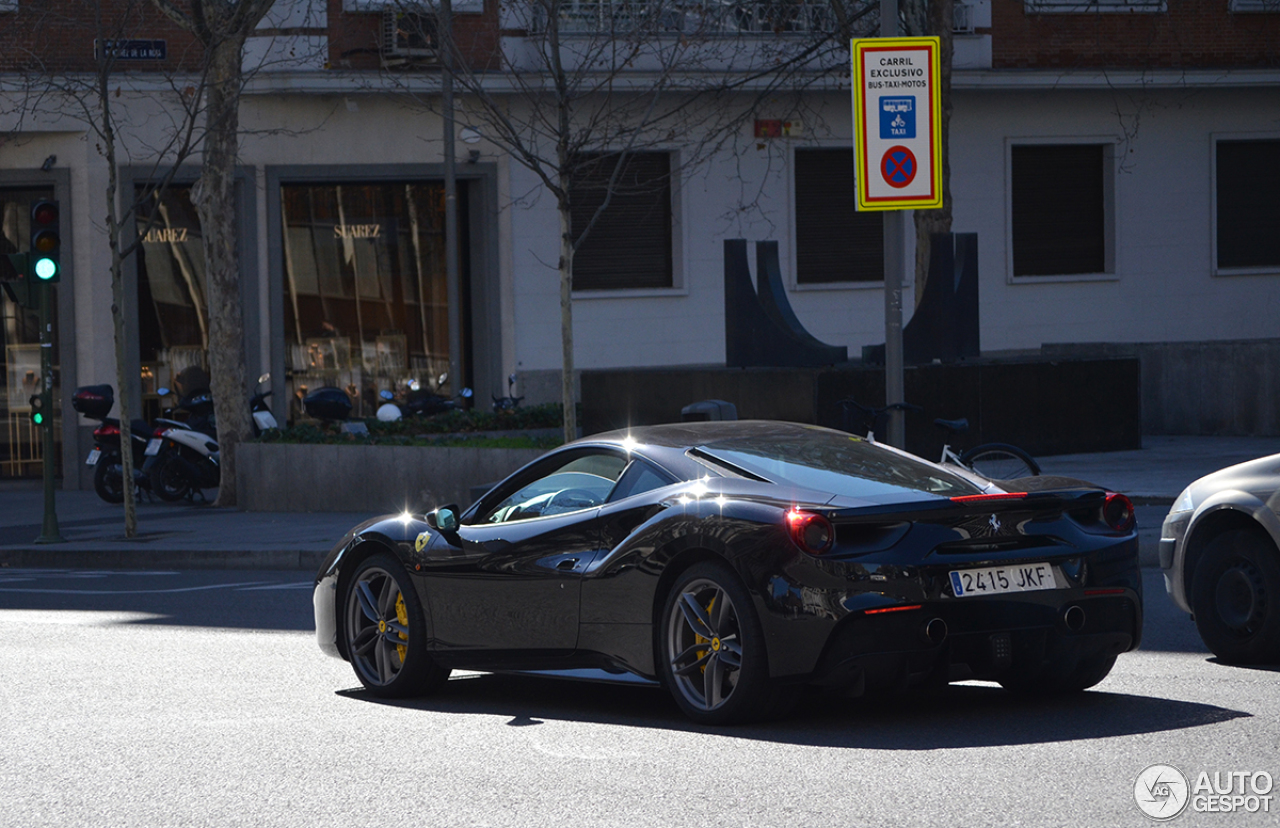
<point>737,562</point>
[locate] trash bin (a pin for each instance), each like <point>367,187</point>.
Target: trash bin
<point>709,410</point>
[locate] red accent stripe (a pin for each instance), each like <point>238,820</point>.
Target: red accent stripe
<point>891,609</point>
<point>981,497</point>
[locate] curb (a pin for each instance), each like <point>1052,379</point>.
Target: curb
<point>47,557</point>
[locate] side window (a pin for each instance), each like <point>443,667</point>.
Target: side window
<point>640,477</point>
<point>581,482</point>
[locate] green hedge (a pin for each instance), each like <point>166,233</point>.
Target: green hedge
<point>452,429</point>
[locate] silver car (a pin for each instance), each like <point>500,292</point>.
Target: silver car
<point>1220,552</point>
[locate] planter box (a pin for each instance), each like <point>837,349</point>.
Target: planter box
<point>277,477</point>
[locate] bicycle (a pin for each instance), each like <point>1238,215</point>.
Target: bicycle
<point>994,461</point>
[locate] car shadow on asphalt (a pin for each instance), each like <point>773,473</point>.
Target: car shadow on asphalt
<point>958,716</point>
<point>1263,668</point>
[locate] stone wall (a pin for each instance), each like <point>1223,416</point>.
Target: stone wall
<point>1228,388</point>
<point>277,477</point>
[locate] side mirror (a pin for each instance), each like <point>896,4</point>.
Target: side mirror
<point>444,519</point>
<point>264,378</point>
<point>466,393</point>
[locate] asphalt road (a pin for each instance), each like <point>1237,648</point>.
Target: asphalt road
<point>199,698</point>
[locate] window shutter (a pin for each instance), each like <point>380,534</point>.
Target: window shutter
<point>834,242</point>
<point>1059,210</point>
<point>1248,213</point>
<point>630,244</point>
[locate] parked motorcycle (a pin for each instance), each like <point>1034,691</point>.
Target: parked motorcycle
<point>96,402</point>
<point>182,456</point>
<point>509,402</point>
<point>263,419</point>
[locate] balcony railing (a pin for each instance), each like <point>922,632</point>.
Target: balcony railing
<point>691,17</point>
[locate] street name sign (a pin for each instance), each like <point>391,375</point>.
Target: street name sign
<point>896,112</point>
<point>131,49</point>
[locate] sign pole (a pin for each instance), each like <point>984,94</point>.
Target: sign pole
<point>896,113</point>
<point>895,255</point>
<point>49,532</point>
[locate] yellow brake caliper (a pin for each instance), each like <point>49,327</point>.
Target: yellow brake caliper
<point>697,639</point>
<point>402,615</point>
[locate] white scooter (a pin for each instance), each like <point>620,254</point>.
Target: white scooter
<point>182,457</point>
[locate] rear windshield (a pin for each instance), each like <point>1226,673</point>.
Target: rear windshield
<point>831,461</point>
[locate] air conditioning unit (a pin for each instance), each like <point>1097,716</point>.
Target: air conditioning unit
<point>409,35</point>
<point>962,18</point>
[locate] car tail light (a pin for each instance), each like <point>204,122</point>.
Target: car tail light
<point>989,497</point>
<point>105,430</point>
<point>811,532</point>
<point>1117,512</point>
<point>159,432</point>
<point>883,610</point>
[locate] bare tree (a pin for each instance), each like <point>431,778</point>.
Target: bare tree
<point>588,85</point>
<point>221,27</point>
<point>149,119</point>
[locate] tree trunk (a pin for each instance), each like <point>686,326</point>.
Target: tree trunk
<point>567,395</point>
<point>118,305</point>
<point>929,222</point>
<point>214,197</point>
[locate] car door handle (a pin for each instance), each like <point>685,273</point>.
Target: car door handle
<point>567,564</point>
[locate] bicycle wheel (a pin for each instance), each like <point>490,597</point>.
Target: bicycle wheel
<point>1000,461</point>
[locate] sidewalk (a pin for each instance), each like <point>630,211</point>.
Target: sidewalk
<point>188,536</point>
<point>170,535</point>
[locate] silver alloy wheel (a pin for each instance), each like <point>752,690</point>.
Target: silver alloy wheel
<point>704,644</point>
<point>377,626</point>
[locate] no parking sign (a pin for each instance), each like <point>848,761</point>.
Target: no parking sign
<point>896,110</point>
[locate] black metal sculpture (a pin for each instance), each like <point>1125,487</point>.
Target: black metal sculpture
<point>760,328</point>
<point>945,324</point>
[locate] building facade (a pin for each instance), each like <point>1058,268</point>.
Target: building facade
<point>1117,160</point>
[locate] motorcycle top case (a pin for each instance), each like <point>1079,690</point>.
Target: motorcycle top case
<point>327,403</point>
<point>93,401</point>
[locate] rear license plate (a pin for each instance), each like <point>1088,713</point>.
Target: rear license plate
<point>92,459</point>
<point>153,447</point>
<point>999,579</point>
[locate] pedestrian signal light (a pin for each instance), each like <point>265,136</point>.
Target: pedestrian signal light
<point>46,241</point>
<point>37,409</point>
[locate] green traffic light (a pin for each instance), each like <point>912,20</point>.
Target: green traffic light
<point>46,269</point>
<point>37,418</point>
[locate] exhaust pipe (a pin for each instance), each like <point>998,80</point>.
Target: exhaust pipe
<point>1074,618</point>
<point>936,630</point>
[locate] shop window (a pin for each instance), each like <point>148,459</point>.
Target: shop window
<point>834,242</point>
<point>1059,214</point>
<point>1247,175</point>
<point>173,317</point>
<point>366,296</point>
<point>630,244</point>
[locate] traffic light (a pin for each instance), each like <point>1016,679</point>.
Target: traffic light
<point>37,409</point>
<point>46,241</point>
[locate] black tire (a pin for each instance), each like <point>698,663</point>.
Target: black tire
<point>380,610</point>
<point>168,481</point>
<point>1000,461</point>
<point>1084,674</point>
<point>108,479</point>
<point>711,651</point>
<point>1235,595</point>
